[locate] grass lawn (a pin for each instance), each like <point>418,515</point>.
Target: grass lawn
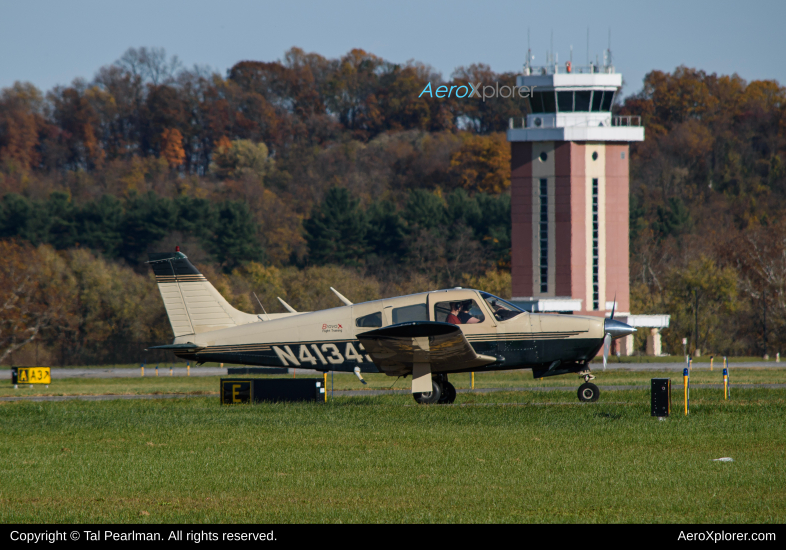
<point>384,459</point>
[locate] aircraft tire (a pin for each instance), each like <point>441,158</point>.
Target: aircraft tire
<point>588,393</point>
<point>428,398</point>
<point>448,393</point>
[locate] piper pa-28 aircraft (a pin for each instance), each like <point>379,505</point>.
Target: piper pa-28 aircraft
<point>427,336</point>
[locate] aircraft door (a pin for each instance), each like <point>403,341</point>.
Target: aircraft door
<point>516,341</point>
<point>471,315</point>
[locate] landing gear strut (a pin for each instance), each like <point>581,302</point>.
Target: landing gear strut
<point>442,392</point>
<point>588,392</point>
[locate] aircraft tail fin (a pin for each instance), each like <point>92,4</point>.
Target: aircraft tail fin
<point>192,304</point>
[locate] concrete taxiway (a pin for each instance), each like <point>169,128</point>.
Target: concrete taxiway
<point>163,370</point>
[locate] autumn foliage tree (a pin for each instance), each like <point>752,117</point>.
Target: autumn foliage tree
<point>172,147</point>
<point>483,163</point>
<point>31,296</point>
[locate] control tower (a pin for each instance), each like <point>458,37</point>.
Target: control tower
<point>569,195</point>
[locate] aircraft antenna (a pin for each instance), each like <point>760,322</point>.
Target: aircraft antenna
<point>286,305</point>
<point>260,303</point>
<point>341,297</point>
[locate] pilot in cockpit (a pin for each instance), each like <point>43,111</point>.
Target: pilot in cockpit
<point>465,316</point>
<point>455,311</point>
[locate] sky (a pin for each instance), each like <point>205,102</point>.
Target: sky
<point>51,42</point>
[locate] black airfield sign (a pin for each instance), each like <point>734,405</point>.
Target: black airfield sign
<point>235,391</point>
<point>254,390</point>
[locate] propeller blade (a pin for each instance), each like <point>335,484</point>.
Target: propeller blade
<point>606,346</point>
<point>614,305</point>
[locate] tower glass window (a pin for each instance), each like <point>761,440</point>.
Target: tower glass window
<point>544,235</point>
<point>549,102</point>
<point>595,248</point>
<point>583,101</point>
<point>565,102</point>
<point>597,100</point>
<point>608,97</point>
<point>536,102</point>
<point>543,102</point>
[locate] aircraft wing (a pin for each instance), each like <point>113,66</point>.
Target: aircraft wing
<point>397,348</point>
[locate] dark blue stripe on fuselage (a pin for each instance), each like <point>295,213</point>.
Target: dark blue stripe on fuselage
<point>513,354</point>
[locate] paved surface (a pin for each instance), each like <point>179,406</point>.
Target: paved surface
<point>58,372</point>
<point>371,393</point>
<point>98,372</point>
<point>718,366</point>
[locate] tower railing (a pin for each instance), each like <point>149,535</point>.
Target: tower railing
<point>551,122</point>
<point>628,120</point>
<point>557,68</point>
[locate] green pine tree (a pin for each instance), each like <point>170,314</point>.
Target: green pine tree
<point>336,231</point>
<point>100,225</point>
<point>235,241</point>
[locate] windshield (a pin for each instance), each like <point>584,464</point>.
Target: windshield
<point>502,309</point>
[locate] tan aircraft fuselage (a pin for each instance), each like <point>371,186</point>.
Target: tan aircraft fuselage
<point>328,339</point>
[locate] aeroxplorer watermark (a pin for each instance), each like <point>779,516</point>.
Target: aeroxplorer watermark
<point>478,90</point>
<point>724,536</point>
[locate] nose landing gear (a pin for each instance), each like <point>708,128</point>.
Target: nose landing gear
<point>588,392</point>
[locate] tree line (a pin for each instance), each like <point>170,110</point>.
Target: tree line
<point>707,217</point>
<point>148,105</point>
<point>458,233</point>
<point>128,228</point>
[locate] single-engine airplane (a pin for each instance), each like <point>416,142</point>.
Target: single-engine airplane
<point>426,336</point>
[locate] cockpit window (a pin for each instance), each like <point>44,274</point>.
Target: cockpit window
<point>460,312</point>
<point>502,309</point>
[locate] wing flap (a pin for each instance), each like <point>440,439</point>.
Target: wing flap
<point>395,349</point>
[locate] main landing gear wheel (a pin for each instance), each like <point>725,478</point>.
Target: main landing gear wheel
<point>428,398</point>
<point>588,392</point>
<point>448,393</point>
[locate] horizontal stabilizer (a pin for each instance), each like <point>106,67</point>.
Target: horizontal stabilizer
<point>179,347</point>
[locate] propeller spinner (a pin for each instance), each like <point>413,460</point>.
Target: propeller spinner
<point>613,330</point>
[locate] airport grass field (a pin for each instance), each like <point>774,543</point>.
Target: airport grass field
<point>518,456</point>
